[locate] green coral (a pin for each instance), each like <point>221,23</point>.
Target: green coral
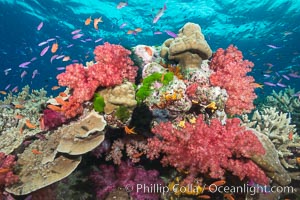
<point>98,103</point>
<point>145,90</point>
<point>122,113</point>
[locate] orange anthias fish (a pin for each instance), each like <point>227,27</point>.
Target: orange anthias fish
<point>88,21</point>
<point>18,106</point>
<point>55,87</point>
<point>54,47</point>
<point>3,92</point>
<point>129,131</point>
<point>96,21</point>
<point>66,58</point>
<point>4,170</point>
<point>36,152</point>
<point>257,85</point>
<point>29,124</point>
<point>54,108</point>
<point>62,94</point>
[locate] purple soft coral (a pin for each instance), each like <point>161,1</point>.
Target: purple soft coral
<point>51,119</point>
<point>126,175</point>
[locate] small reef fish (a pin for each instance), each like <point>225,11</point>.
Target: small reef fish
<point>18,106</point>
<point>7,87</point>
<point>44,51</point>
<point>270,84</point>
<point>24,73</point>
<point>53,57</point>
<point>66,58</point>
<point>96,21</point>
<point>273,46</point>
<point>54,47</point>
<point>36,152</point>
<point>75,32</point>
<point>157,33</point>
<point>34,73</point>
<point>159,14</point>
<point>281,85</point>
<point>79,35</point>
<point>170,33</point>
<point>4,170</point>
<point>3,92</point>
<point>257,85</point>
<point>15,89</point>
<point>51,39</point>
<point>29,124</point>
<point>40,26</point>
<point>54,108</point>
<point>134,32</point>
<point>55,88</point>
<point>88,21</point>
<point>24,64</point>
<point>60,68</point>
<point>122,25</point>
<point>42,43</point>
<point>6,71</point>
<point>33,59</point>
<point>98,40</point>
<point>122,5</point>
<point>129,131</point>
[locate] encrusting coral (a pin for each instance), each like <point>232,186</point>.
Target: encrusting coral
<point>42,163</point>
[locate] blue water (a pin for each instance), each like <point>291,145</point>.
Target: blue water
<point>251,25</point>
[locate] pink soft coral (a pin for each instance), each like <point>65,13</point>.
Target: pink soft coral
<point>230,73</point>
<point>213,149</point>
<point>7,177</point>
<point>112,67</point>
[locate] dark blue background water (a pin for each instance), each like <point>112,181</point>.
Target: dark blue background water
<point>251,25</point>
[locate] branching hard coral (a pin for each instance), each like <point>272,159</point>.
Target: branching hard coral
<point>229,69</point>
<point>277,126</point>
<point>23,110</point>
<point>286,101</point>
<point>213,149</point>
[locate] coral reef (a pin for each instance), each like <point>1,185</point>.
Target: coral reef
<point>20,116</point>
<point>189,48</point>
<point>7,177</point>
<point>286,101</point>
<point>108,178</point>
<point>113,66</point>
<point>213,149</point>
<point>51,119</point>
<point>229,69</point>
<point>42,162</point>
<point>270,162</point>
<point>135,147</point>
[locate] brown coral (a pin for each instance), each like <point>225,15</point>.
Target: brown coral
<point>189,48</point>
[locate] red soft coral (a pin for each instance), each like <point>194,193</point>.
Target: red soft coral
<point>230,73</point>
<point>7,177</point>
<point>213,149</point>
<point>112,67</point>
